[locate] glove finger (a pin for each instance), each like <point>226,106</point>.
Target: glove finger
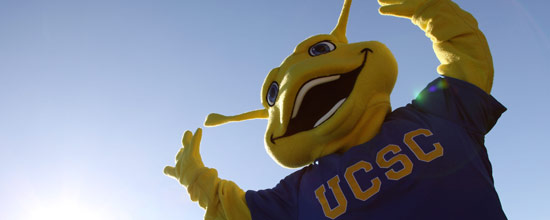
<point>170,171</point>
<point>179,168</point>
<point>196,141</point>
<point>396,10</point>
<point>184,152</point>
<point>390,2</point>
<point>178,155</point>
<point>186,139</point>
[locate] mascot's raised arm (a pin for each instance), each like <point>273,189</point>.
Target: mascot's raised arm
<point>328,110</point>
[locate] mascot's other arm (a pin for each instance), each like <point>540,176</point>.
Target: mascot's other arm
<point>222,199</point>
<point>458,43</point>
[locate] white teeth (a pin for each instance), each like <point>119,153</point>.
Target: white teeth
<point>329,113</point>
<point>305,88</point>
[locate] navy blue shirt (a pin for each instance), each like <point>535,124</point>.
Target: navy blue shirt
<point>427,162</point>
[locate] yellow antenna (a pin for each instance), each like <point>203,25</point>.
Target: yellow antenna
<point>217,119</point>
<point>340,29</point>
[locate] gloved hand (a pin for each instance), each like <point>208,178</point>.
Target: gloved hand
<point>222,199</point>
<point>457,41</point>
<point>400,8</point>
<point>188,160</point>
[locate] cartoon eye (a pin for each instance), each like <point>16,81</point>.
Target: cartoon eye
<point>272,93</point>
<point>321,48</point>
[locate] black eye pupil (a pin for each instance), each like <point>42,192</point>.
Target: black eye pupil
<point>321,48</point>
<point>272,93</point>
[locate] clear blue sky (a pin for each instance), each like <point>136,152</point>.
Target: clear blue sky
<point>94,96</point>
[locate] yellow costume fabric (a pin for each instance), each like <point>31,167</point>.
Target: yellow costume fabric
<point>458,43</point>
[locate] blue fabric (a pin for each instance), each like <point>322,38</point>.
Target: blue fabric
<point>456,185</point>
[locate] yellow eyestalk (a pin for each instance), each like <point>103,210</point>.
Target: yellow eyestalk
<point>215,119</point>
<point>340,30</point>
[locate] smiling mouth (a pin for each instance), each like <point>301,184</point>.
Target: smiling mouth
<point>319,98</point>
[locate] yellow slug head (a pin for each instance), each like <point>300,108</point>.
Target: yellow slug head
<point>326,97</point>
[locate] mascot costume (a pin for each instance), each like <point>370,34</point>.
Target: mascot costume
<point>328,110</point>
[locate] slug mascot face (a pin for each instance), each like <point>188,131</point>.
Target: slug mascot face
<point>326,97</point>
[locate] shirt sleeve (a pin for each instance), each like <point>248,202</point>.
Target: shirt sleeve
<point>276,203</point>
<point>460,102</point>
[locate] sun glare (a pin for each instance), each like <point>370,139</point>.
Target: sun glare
<point>66,209</point>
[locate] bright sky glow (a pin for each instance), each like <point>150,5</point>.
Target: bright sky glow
<point>65,209</point>
<point>95,95</point>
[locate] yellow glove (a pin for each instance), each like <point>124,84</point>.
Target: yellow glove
<point>188,159</point>
<point>458,43</point>
<point>400,8</point>
<point>222,199</point>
